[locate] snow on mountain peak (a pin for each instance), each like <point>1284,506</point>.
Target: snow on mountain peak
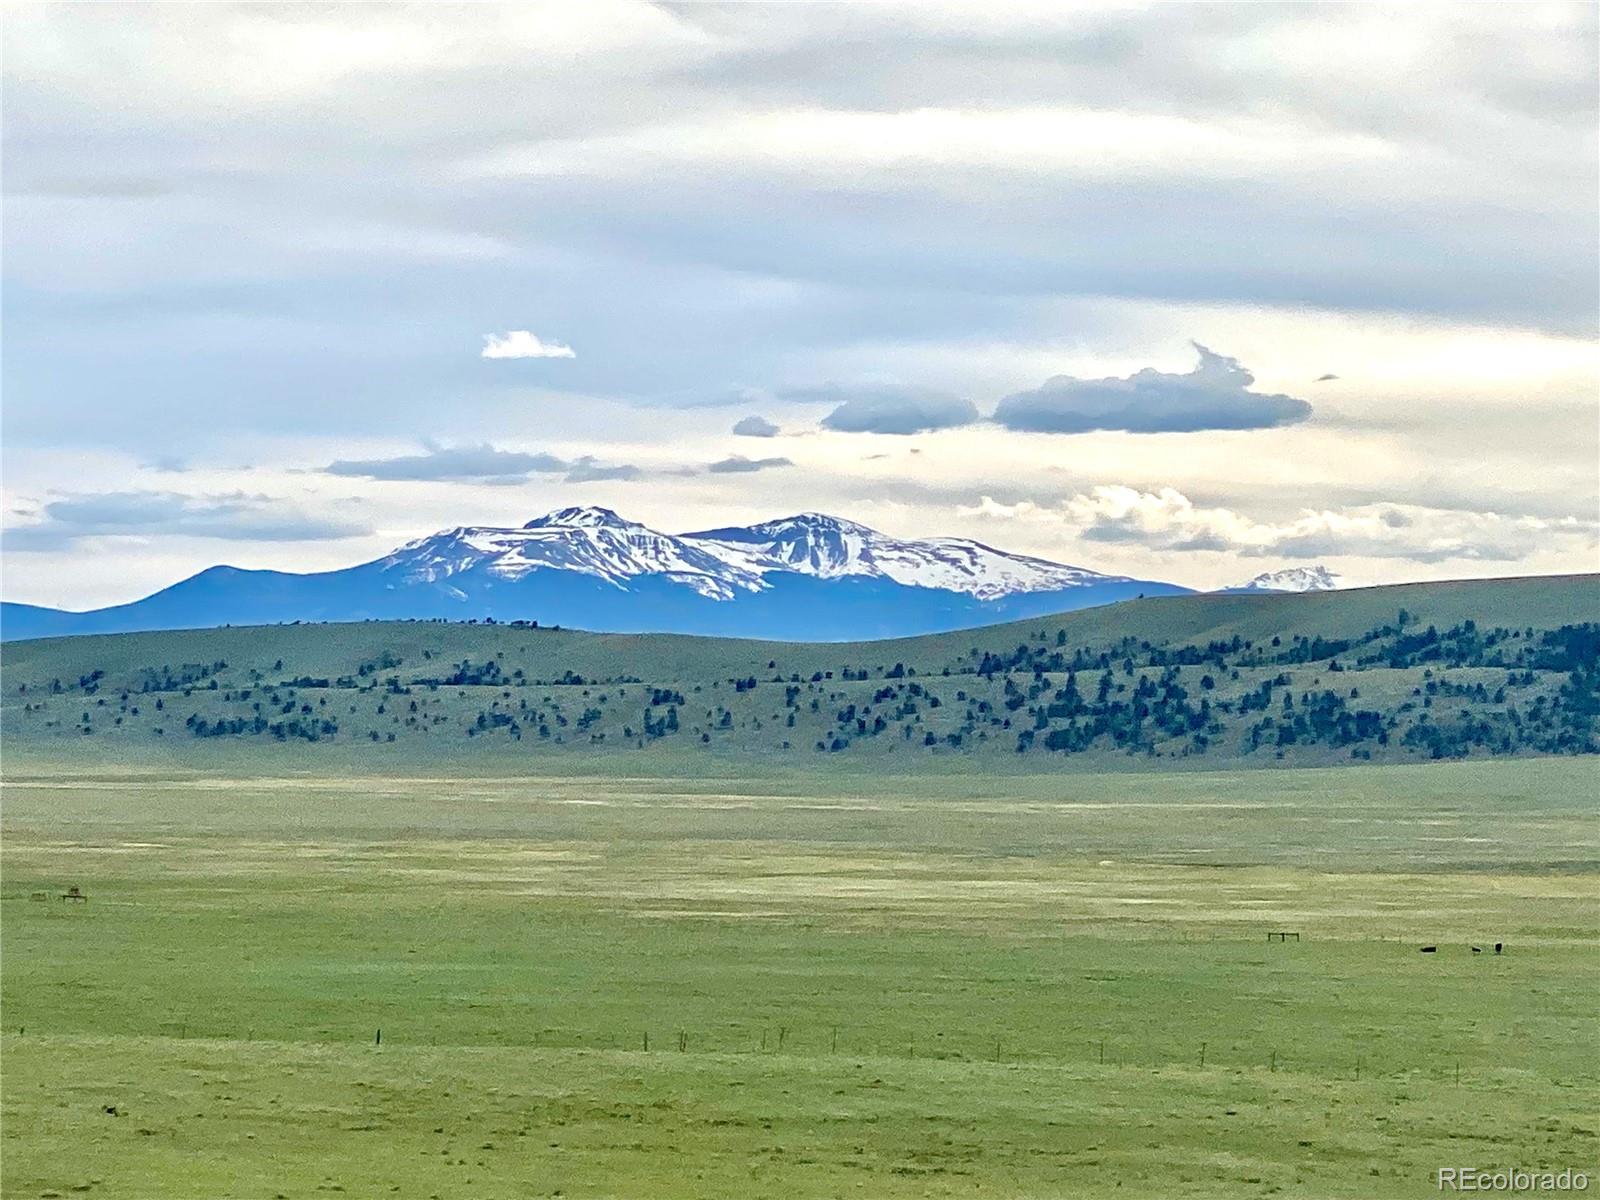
<point>583,516</point>
<point>809,543</point>
<point>587,540</point>
<point>828,548</point>
<point>813,520</point>
<point>720,563</point>
<point>1295,579</point>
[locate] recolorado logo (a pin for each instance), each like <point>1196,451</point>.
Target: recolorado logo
<point>1471,1179</point>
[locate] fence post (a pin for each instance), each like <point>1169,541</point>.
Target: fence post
<point>1202,1054</point>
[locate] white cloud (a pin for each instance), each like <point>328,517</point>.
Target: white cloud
<point>1166,519</point>
<point>1083,142</point>
<point>519,343</point>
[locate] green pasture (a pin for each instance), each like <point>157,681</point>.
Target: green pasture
<point>775,983</point>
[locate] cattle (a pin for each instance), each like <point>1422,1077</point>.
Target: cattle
<point>1477,949</point>
<point>1430,950</point>
<point>1499,946</point>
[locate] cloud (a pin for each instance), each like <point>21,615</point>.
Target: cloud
<point>487,465</point>
<point>481,464</point>
<point>234,517</point>
<point>713,397</point>
<point>1329,377</point>
<point>519,343</point>
<point>454,464</point>
<point>1220,199</point>
<point>900,411</point>
<point>1047,140</point>
<point>737,464</point>
<point>587,470</point>
<point>1166,519</point>
<point>1215,395</point>
<point>755,426</point>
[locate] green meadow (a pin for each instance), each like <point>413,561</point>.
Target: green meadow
<point>685,977</point>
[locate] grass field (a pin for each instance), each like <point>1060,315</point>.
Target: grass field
<point>864,985</point>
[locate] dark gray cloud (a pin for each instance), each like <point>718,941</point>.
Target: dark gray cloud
<point>756,426</point>
<point>477,464</point>
<point>1215,395</point>
<point>737,464</point>
<point>236,516</point>
<point>1100,56</point>
<point>482,464</point>
<point>900,411</point>
<point>587,470</point>
<point>1116,532</point>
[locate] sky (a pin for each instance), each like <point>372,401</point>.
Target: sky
<point>1183,291</point>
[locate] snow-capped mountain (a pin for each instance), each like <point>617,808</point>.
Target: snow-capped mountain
<point>589,541</point>
<point>721,563</point>
<point>809,577</point>
<point>827,547</point>
<point>1293,579</point>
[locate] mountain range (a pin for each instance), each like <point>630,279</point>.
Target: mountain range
<point>1292,579</point>
<point>809,577</point>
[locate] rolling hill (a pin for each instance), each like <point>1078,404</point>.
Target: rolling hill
<point>1399,673</point>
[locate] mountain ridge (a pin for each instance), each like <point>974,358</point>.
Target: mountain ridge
<point>809,577</point>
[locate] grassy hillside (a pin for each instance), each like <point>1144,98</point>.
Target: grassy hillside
<point>1419,671</point>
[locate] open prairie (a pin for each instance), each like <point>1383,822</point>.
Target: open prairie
<point>795,983</point>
